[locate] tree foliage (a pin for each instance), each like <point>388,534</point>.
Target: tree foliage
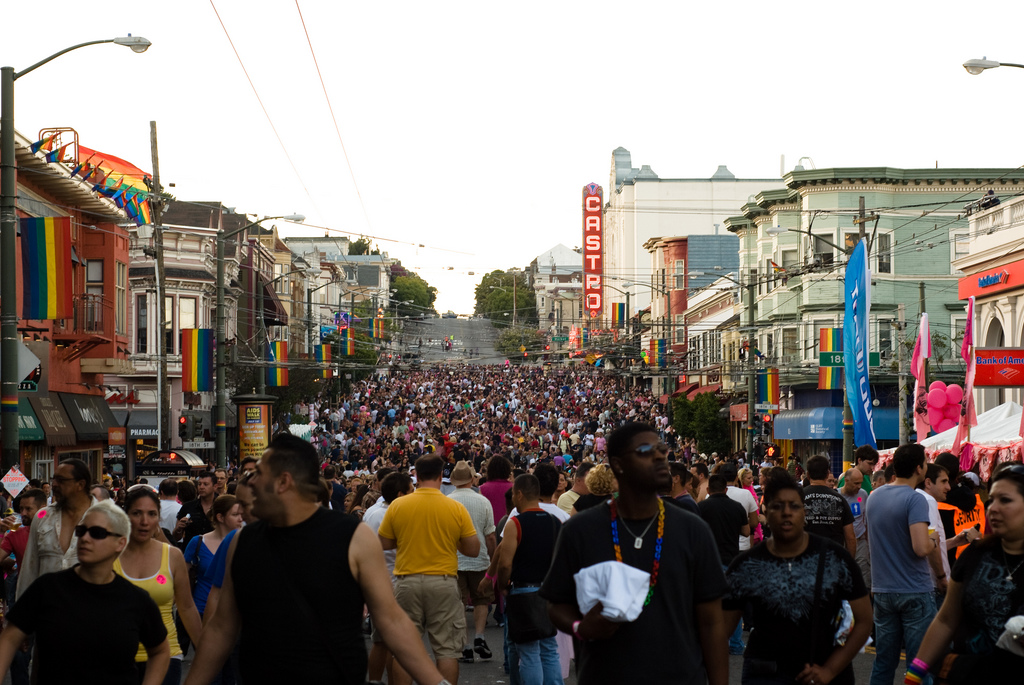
<point>363,246</point>
<point>502,293</point>
<point>413,295</point>
<point>700,419</point>
<point>511,339</point>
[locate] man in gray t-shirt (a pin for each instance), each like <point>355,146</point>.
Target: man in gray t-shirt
<point>857,498</point>
<point>897,529</point>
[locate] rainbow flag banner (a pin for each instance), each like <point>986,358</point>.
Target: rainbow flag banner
<point>378,328</point>
<point>323,355</point>
<point>46,268</point>
<point>767,391</point>
<point>618,315</point>
<point>659,352</point>
<point>830,340</point>
<point>348,342</point>
<point>196,359</point>
<point>277,376</point>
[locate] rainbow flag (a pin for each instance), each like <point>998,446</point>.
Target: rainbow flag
<point>196,359</point>
<point>128,176</point>
<point>348,342</point>
<point>659,352</point>
<point>768,390</point>
<point>830,340</point>
<point>46,268</point>
<point>58,154</point>
<point>277,376</point>
<point>618,315</point>
<point>378,328</point>
<point>323,355</point>
<point>45,143</point>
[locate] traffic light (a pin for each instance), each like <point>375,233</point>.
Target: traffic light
<point>547,347</point>
<point>197,428</point>
<point>183,428</point>
<point>525,355</point>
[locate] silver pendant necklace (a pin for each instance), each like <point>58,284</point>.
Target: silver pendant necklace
<point>1006,563</point>
<point>638,543</point>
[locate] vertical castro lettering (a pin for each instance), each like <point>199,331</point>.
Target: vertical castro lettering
<point>593,250</point>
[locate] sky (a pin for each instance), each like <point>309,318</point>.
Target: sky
<point>471,127</point>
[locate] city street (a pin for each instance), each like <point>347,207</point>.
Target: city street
<point>477,335</point>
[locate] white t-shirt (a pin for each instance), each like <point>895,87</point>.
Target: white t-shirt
<point>749,505</point>
<point>169,513</point>
<point>373,517</point>
<point>935,521</point>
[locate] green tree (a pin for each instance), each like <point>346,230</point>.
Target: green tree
<point>363,246</point>
<point>413,295</point>
<point>511,339</point>
<point>700,418</point>
<point>502,293</point>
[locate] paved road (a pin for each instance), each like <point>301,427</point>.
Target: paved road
<point>470,335</point>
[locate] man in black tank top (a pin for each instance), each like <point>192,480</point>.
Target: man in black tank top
<point>278,571</point>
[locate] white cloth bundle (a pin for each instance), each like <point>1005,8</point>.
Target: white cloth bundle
<point>620,588</point>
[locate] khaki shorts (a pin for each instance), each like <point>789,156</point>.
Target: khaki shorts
<point>434,604</point>
<point>469,585</point>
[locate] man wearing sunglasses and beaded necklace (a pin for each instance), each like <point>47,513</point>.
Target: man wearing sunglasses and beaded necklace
<point>680,635</point>
<point>60,607</point>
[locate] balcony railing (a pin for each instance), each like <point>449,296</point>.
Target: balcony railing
<point>91,315</point>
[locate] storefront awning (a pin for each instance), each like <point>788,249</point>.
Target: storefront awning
<point>90,415</point>
<point>29,428</point>
<point>826,423</point>
<point>55,421</point>
<point>704,388</point>
<point>142,424</point>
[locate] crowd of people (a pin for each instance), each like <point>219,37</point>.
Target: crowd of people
<point>561,506</point>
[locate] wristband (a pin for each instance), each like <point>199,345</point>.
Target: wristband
<point>576,630</point>
<point>489,577</point>
<point>916,672</point>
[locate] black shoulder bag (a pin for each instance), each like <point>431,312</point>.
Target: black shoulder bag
<point>527,612</point>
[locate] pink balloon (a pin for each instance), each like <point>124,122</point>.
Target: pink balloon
<point>937,398</point>
<point>952,411</point>
<point>937,385</point>
<point>954,394</point>
<point>935,416</point>
<point>946,425</point>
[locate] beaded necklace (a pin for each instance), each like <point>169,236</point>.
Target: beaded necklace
<point>657,544</point>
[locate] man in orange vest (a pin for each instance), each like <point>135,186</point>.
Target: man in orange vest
<point>963,512</point>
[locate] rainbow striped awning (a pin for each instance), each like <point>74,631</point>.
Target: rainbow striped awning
<point>46,268</point>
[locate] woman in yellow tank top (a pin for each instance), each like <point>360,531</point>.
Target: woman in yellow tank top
<point>160,570</point>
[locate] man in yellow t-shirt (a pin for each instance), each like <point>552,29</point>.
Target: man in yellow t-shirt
<point>427,529</point>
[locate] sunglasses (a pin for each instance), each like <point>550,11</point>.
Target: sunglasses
<point>1016,469</point>
<point>648,450</point>
<point>95,532</point>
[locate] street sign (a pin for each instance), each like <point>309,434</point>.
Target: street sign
<point>522,348</point>
<point>766,406</point>
<point>837,359</point>
<point>26,362</point>
<point>559,338</point>
<point>15,481</point>
<point>198,445</point>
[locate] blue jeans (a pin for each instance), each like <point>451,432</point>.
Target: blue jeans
<point>533,663</point>
<point>900,619</point>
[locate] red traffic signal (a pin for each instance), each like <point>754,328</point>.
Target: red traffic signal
<point>767,418</point>
<point>547,347</point>
<point>526,354</point>
<point>182,420</point>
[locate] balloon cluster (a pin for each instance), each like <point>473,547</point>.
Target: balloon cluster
<point>944,406</point>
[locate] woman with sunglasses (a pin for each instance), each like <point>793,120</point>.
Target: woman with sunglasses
<point>88,620</point>
<point>986,589</point>
<point>160,570</point>
<point>796,583</point>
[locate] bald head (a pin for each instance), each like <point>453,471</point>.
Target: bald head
<point>852,481</point>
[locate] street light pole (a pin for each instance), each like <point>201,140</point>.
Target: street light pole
<point>220,401</point>
<point>8,249</point>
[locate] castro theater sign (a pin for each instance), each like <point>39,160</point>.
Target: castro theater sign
<point>593,250</point>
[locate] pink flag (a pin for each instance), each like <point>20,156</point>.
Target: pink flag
<point>968,416</point>
<point>922,351</point>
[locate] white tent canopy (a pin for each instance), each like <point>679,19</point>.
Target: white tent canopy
<point>997,426</point>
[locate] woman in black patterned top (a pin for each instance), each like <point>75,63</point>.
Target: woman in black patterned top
<point>796,583</point>
<point>987,589</point>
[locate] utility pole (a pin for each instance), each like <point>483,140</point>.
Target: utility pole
<point>924,375</point>
<point>752,375</point>
<point>261,340</point>
<point>901,326</point>
<point>163,389</point>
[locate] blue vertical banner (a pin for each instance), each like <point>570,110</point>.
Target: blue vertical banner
<point>855,344</point>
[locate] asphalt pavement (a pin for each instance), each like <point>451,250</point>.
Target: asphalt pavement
<point>473,341</point>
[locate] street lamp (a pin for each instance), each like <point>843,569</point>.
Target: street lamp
<point>8,246</point>
<point>976,66</point>
<point>220,418</point>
